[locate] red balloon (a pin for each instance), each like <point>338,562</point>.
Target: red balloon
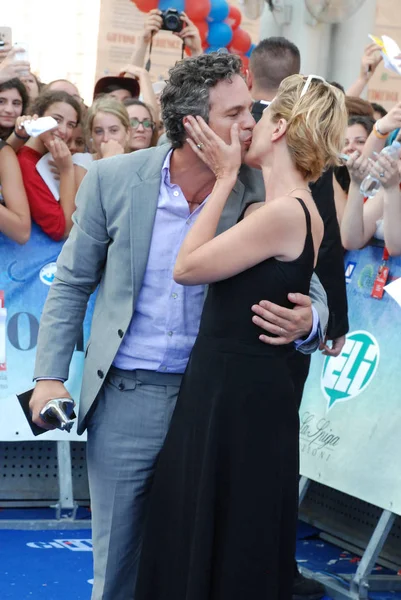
<point>241,41</point>
<point>197,10</point>
<point>203,28</point>
<point>145,5</point>
<point>234,17</point>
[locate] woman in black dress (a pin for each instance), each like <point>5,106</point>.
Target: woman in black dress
<point>223,508</point>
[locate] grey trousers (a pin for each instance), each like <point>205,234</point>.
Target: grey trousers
<point>125,434</point>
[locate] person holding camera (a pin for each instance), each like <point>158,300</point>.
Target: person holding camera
<point>133,212</point>
<point>170,20</point>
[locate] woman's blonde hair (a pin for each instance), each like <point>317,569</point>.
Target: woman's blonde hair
<point>316,123</point>
<point>106,104</point>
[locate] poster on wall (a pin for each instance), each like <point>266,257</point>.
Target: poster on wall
<point>26,273</point>
<point>121,24</point>
<point>385,86</point>
<point>350,416</point>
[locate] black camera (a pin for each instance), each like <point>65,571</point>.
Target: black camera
<point>172,20</point>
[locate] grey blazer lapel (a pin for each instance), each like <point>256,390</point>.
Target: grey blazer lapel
<point>232,209</point>
<point>145,195</point>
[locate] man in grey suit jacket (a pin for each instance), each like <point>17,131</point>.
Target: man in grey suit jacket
<point>132,214</point>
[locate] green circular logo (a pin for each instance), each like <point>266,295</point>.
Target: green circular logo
<point>348,375</point>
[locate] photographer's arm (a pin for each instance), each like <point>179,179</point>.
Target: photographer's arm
<point>152,25</point>
<point>370,60</point>
<point>9,67</point>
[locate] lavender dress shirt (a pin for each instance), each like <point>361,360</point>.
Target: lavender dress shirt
<point>166,321</point>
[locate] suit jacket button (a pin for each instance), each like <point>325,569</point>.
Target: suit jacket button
<point>100,374</point>
<point>121,386</point>
<point>120,333</point>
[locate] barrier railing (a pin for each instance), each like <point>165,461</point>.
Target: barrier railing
<point>350,418</point>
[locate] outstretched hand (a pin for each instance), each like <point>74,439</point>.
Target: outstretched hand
<point>11,68</point>
<point>190,35</point>
<point>221,158</point>
<point>153,24</point>
<point>20,124</point>
<point>385,169</point>
<point>358,167</point>
<point>370,60</point>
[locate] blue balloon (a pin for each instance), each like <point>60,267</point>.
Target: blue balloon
<point>220,34</point>
<point>177,4</point>
<point>251,49</point>
<point>219,11</point>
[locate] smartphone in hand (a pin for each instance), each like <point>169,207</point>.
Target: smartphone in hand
<point>5,37</point>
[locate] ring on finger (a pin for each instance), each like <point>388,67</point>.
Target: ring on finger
<point>200,146</point>
<point>382,174</point>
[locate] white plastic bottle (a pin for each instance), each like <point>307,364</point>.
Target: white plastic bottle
<point>370,185</point>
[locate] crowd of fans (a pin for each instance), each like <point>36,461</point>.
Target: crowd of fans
<point>125,117</point>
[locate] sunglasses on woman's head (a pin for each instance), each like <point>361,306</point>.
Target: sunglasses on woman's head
<point>309,80</point>
<point>146,123</point>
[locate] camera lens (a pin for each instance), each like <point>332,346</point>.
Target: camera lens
<point>172,22</point>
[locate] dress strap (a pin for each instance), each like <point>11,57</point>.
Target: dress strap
<point>308,253</point>
<point>307,217</point>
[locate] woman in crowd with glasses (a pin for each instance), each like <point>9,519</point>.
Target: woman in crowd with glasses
<point>108,133</point>
<point>143,127</point>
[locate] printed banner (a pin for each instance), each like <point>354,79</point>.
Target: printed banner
<point>350,417</point>
<point>26,273</point>
<point>350,414</point>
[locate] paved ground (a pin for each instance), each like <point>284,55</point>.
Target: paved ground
<point>57,564</point>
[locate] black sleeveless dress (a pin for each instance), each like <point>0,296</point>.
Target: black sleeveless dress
<point>223,507</point>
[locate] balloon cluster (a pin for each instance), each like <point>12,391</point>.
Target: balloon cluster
<point>218,24</point>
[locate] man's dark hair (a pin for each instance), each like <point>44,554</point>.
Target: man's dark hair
<point>188,87</point>
<point>274,59</point>
<point>366,122</point>
<point>379,108</point>
<point>46,99</point>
